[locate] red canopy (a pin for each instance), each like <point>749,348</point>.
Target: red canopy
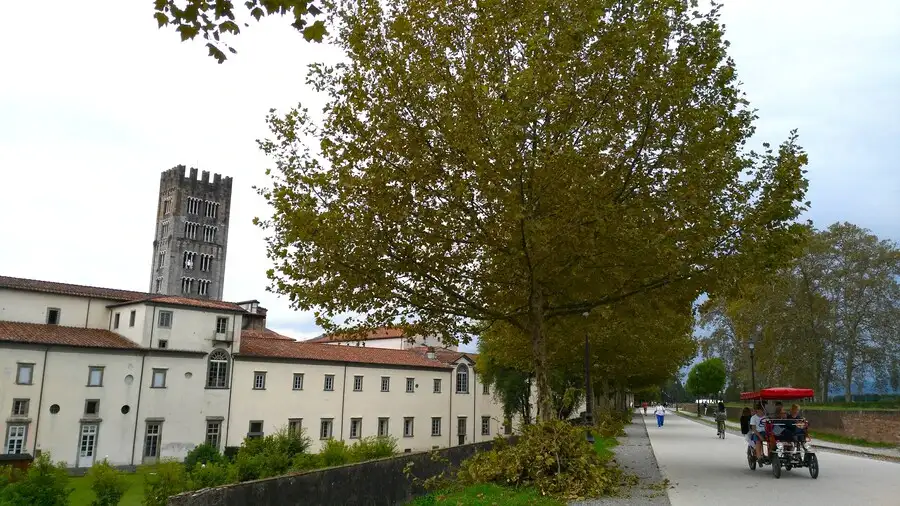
<point>779,393</point>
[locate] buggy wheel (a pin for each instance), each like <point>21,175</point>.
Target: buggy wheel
<point>776,466</point>
<point>751,459</point>
<point>813,466</point>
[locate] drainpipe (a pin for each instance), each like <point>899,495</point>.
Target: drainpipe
<point>88,314</point>
<point>137,409</point>
<point>343,395</point>
<point>37,421</point>
<point>450,416</point>
<point>230,386</point>
<point>474,399</point>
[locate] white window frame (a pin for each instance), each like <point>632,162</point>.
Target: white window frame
<point>357,383</point>
<point>355,428</point>
<point>16,438</point>
<point>329,383</point>
<point>485,426</point>
<point>23,405</point>
<point>297,383</point>
<point>156,375</point>
<point>435,426</point>
<point>387,427</point>
<point>154,435</point>
<point>462,379</point>
<point>217,369</point>
<point>326,428</point>
<point>437,385</point>
<point>409,426</point>
<point>22,367</point>
<point>168,323</point>
<point>213,433</point>
<point>410,385</point>
<point>259,380</point>
<point>385,383</point>
<point>95,369</point>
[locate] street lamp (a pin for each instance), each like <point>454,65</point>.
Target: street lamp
<point>588,391</point>
<point>752,366</point>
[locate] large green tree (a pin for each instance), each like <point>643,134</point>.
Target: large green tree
<point>522,162</point>
<point>706,379</point>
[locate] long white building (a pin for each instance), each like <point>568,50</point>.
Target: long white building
<point>88,373</point>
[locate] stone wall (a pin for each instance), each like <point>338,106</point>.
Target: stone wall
<point>376,483</point>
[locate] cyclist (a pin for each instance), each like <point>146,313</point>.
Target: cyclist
<point>720,419</point>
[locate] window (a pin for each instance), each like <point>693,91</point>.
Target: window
<point>436,426</point>
<point>116,320</point>
<point>357,383</point>
<point>193,205</point>
<point>485,426</point>
<point>15,438</point>
<point>329,382</point>
<point>187,285</point>
<point>298,381</point>
<point>256,429</point>
<point>95,376</point>
<point>131,318</point>
<point>163,343</point>
<point>383,425</point>
<point>259,380</point>
<point>212,209</point>
<point>461,426</point>
<point>408,427</point>
<point>190,229</point>
<point>203,287</point>
<point>24,374</point>
<point>166,206</point>
<point>213,433</point>
<point>385,383</point>
<point>206,263</point>
<point>162,261</point>
<point>209,233</point>
<point>486,389</point>
<point>92,407</point>
<point>437,385</point>
<point>221,325</point>
<point>410,385</point>
<point>189,258</point>
<point>165,319</point>
<point>295,426</point>
<point>507,427</point>
<point>158,284</point>
<point>217,375</point>
<point>462,379</point>
<point>53,314</point>
<point>325,428</point>
<point>151,440</point>
<point>164,229</point>
<point>20,407</point>
<point>159,378</point>
<point>355,427</point>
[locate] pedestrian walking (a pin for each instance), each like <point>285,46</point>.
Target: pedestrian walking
<point>660,415</point>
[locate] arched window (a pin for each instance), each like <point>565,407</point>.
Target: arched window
<point>217,376</point>
<point>462,379</point>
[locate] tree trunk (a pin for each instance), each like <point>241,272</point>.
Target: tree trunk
<point>539,355</point>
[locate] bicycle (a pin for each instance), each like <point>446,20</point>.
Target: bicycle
<point>720,425</point>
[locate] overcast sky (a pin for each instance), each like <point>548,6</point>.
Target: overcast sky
<point>95,102</point>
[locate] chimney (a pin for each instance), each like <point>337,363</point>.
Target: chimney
<point>431,354</point>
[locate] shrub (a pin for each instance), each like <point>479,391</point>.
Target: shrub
<point>108,484</point>
<point>553,456</point>
<point>334,453</point>
<point>306,462</point>
<point>610,424</point>
<point>213,474</point>
<point>45,484</point>
<point>164,480</point>
<point>269,456</point>
<point>202,454</point>
<point>374,447</point>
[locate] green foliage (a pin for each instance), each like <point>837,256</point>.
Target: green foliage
<point>306,462</point>
<point>271,455</point>
<point>611,424</point>
<point>213,474</point>
<point>373,447</point>
<point>44,484</point>
<point>213,19</point>
<point>108,483</point>
<point>202,454</point>
<point>163,480</point>
<point>553,457</point>
<point>706,379</point>
<point>487,494</point>
<point>334,453</point>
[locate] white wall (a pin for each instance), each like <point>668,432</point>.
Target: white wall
<point>192,329</point>
<point>31,307</point>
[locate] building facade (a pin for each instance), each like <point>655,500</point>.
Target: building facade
<point>88,373</point>
<point>190,244</point>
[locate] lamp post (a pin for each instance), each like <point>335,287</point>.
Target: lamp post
<point>752,366</point>
<point>588,391</point>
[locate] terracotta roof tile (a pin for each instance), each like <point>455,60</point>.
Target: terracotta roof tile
<point>264,334</point>
<point>68,289</point>
<point>373,335</point>
<point>37,333</point>
<point>304,350</point>
<point>185,301</point>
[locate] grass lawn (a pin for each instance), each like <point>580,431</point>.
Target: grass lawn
<point>83,495</point>
<point>603,446</point>
<point>486,495</point>
<point>834,438</point>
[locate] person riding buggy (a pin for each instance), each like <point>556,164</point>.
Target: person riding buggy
<point>776,437</point>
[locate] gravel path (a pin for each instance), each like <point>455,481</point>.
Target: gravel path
<point>635,456</point>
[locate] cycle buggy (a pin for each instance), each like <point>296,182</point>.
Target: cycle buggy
<point>787,442</point>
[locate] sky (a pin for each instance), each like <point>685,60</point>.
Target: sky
<point>96,102</point>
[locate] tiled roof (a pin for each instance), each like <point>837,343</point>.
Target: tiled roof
<point>67,289</point>
<point>374,335</point>
<point>444,355</point>
<point>303,350</point>
<point>185,301</point>
<point>263,334</point>
<point>37,333</point>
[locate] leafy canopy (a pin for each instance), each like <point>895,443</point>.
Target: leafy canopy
<point>522,162</point>
<point>706,379</point>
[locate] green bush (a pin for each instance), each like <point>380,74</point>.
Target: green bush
<point>108,484</point>
<point>306,462</point>
<point>374,447</point>
<point>334,453</point>
<point>164,480</point>
<point>553,456</point>
<point>610,424</point>
<point>213,474</point>
<point>202,454</point>
<point>45,484</point>
<point>269,456</point>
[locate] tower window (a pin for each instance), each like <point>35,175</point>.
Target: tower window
<point>190,229</point>
<point>203,286</point>
<point>166,206</point>
<point>164,230</point>
<point>189,258</point>
<point>209,233</point>
<point>212,209</point>
<point>158,284</point>
<point>162,259</point>
<point>187,285</point>
<point>206,262</point>
<point>193,205</point>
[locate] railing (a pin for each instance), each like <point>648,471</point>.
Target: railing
<point>226,336</point>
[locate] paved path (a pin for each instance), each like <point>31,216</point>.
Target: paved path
<point>704,469</point>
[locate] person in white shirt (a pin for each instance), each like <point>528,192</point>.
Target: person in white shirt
<point>660,415</point>
<point>758,429</point>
